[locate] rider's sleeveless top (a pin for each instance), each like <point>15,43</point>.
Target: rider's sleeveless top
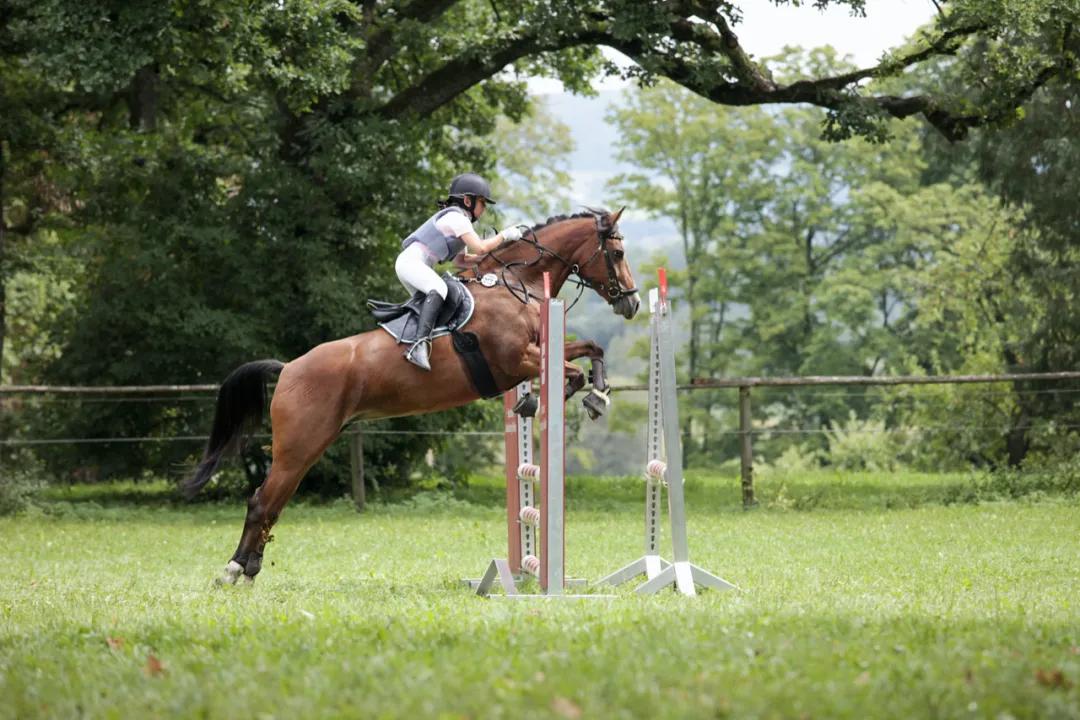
<point>442,247</point>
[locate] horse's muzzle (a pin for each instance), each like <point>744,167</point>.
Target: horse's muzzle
<point>627,305</point>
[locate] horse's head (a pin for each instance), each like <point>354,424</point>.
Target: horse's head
<point>587,245</point>
<point>607,271</point>
<point>592,249</point>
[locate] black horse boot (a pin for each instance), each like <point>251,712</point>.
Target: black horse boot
<point>429,312</point>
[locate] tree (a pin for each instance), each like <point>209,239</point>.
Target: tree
<point>1029,164</point>
<point>812,257</point>
<point>233,179</point>
<point>707,169</point>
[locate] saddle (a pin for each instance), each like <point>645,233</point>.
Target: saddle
<point>401,320</point>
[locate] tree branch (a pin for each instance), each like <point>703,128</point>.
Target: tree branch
<point>455,77</point>
<point>726,75</point>
<point>947,44</point>
<point>724,41</point>
<point>830,92</point>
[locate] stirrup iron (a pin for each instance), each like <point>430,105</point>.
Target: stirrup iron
<point>419,354</point>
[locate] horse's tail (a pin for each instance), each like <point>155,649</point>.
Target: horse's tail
<point>240,408</point>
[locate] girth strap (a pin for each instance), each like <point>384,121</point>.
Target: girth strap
<point>468,348</point>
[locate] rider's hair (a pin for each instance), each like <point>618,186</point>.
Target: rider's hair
<point>460,202</point>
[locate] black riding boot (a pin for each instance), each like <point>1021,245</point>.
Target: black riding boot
<point>429,312</point>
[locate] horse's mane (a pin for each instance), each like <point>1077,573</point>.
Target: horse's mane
<point>588,213</point>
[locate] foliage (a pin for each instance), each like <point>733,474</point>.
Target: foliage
<point>864,445</point>
<point>20,482</point>
<point>1028,164</point>
<point>228,181</point>
<point>803,257</point>
<point>806,257</point>
<point>216,205</point>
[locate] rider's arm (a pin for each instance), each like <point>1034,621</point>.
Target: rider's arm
<point>478,246</point>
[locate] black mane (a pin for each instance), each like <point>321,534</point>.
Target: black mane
<point>588,213</point>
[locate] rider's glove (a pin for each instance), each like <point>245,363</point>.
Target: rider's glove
<point>511,233</point>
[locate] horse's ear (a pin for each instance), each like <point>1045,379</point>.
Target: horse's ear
<point>616,216</point>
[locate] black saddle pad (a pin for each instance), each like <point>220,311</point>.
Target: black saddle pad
<point>401,319</point>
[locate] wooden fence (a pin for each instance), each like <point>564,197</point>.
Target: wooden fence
<point>744,385</point>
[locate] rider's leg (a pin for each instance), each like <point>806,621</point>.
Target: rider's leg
<point>414,272</point>
<point>420,352</point>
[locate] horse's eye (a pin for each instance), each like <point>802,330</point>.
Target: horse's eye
<point>618,255</point>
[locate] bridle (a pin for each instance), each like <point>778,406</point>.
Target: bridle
<point>612,288</point>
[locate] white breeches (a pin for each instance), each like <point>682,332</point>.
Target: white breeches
<point>415,274</point>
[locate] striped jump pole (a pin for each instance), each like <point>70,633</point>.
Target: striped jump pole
<point>536,536</point>
<point>663,468</point>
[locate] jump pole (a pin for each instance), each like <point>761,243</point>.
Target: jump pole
<point>528,555</point>
<point>663,467</point>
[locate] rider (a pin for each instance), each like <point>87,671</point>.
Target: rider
<point>444,235</point>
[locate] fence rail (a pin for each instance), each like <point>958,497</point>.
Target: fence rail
<point>694,384</point>
<point>810,380</point>
<point>744,385</point>
<point>103,389</point>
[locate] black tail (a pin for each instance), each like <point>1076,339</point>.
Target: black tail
<point>240,408</point>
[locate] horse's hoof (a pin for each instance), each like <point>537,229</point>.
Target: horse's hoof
<point>595,403</point>
<point>232,573</point>
<point>526,405</point>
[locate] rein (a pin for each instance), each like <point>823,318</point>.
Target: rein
<point>520,290</point>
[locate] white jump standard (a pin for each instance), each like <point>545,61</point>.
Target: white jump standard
<point>663,467</point>
<point>527,554</point>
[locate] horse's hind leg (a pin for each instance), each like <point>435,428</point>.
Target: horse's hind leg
<point>264,508</point>
<point>298,444</point>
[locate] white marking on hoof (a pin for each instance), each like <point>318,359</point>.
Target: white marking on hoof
<point>247,580</point>
<point>231,575</point>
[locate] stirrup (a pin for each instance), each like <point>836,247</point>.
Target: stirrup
<point>419,354</point>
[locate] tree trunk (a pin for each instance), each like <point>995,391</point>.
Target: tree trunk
<point>1017,443</point>
<point>3,261</point>
<point>143,100</point>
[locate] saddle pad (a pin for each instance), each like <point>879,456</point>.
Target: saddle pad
<point>456,312</point>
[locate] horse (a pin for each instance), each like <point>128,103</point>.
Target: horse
<point>365,377</point>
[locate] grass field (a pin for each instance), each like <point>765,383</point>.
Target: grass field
<point>860,596</point>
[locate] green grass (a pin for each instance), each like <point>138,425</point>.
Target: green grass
<point>861,596</point>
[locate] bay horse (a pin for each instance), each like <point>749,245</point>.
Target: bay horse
<point>365,376</point>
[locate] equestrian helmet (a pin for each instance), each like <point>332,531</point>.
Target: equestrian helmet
<point>471,184</point>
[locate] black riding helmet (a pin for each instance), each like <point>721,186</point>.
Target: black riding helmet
<point>471,184</point>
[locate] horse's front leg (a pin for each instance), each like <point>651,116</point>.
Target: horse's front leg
<point>596,402</point>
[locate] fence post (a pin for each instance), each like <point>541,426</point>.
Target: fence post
<point>356,462</point>
<point>746,447</point>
